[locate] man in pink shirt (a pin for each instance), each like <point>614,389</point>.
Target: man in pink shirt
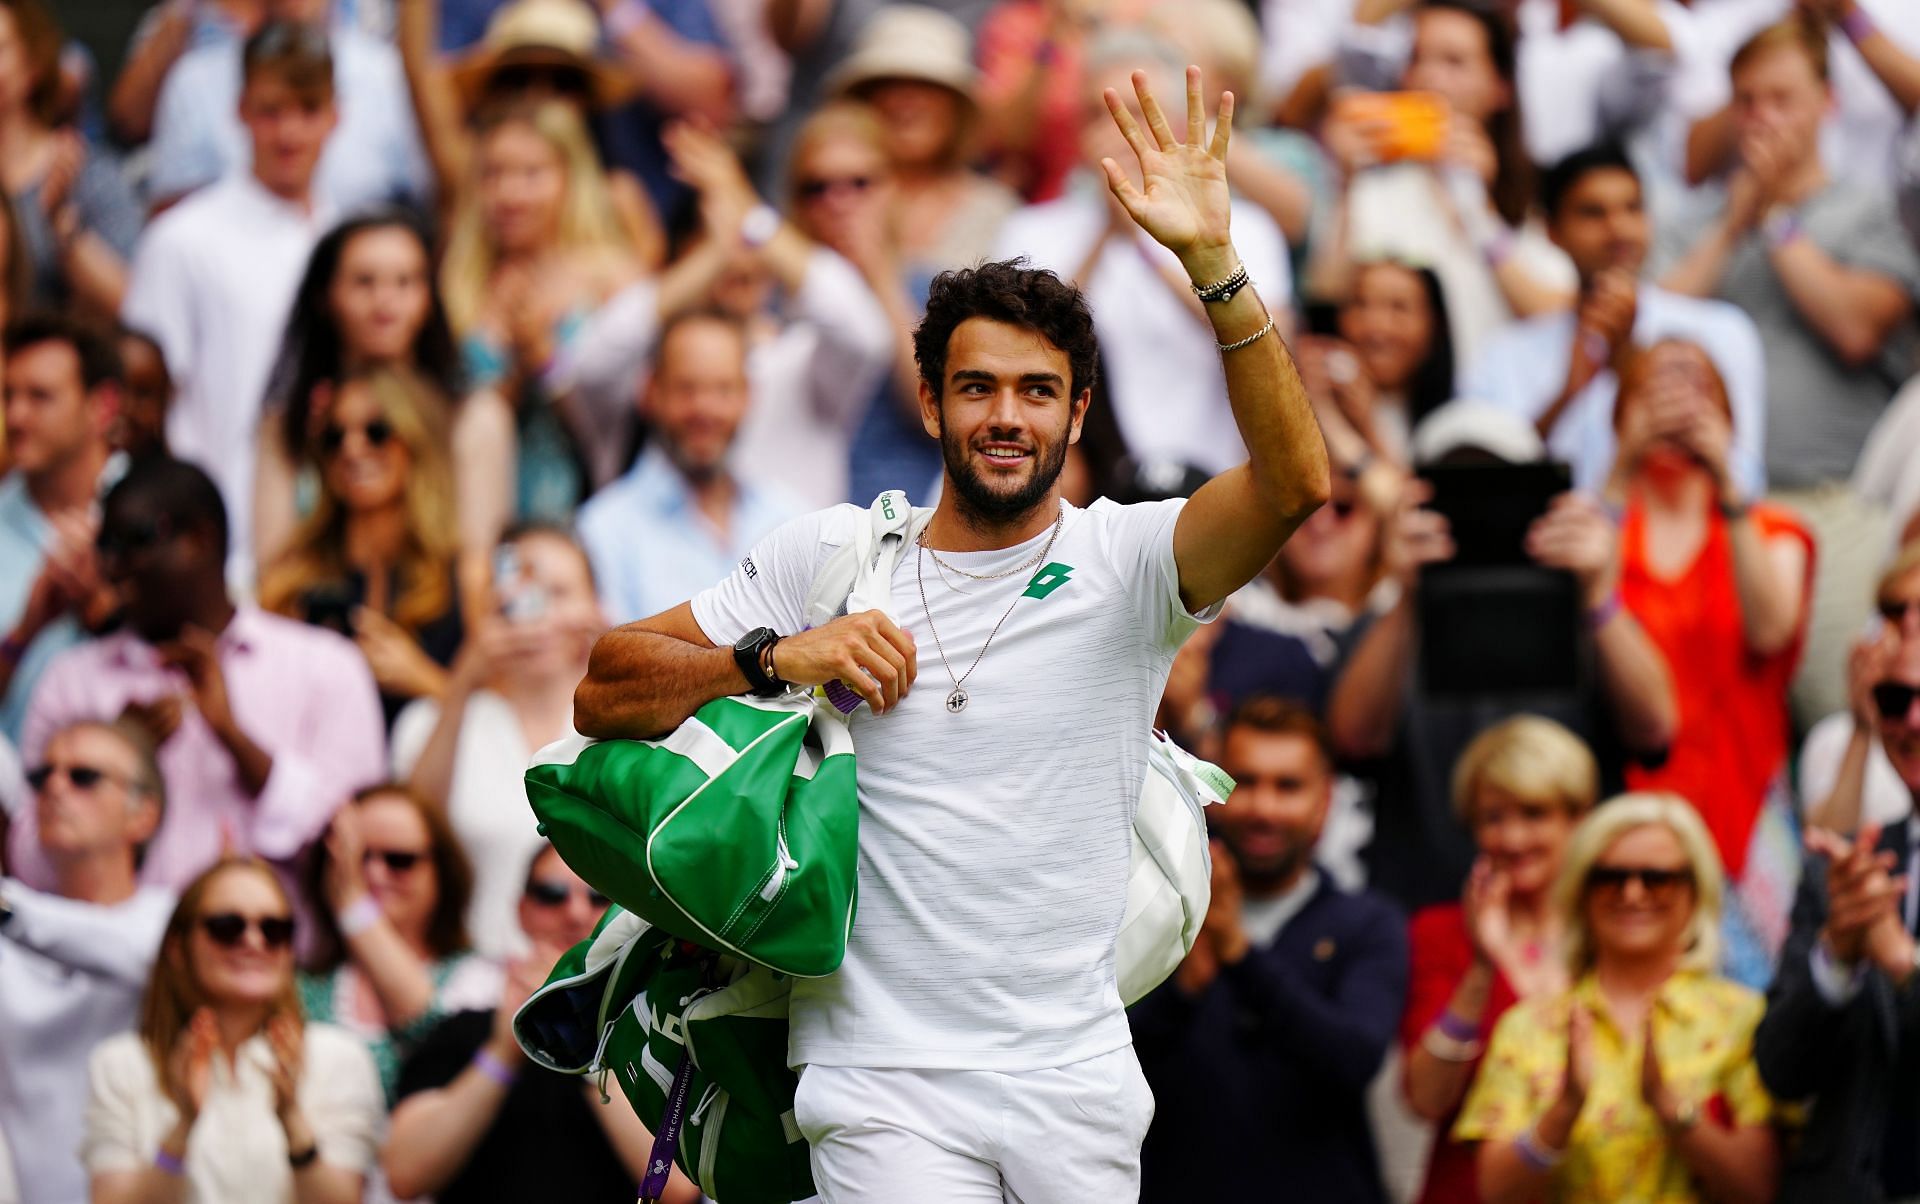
<point>264,725</point>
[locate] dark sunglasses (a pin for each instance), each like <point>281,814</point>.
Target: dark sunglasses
<point>518,78</point>
<point>133,536</point>
<point>1894,699</point>
<point>83,777</point>
<point>1656,882</point>
<point>1895,610</point>
<point>228,928</point>
<point>332,439</point>
<point>397,861</point>
<point>813,190</point>
<point>553,894</point>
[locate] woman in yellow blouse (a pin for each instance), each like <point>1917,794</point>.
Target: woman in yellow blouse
<point>1638,1083</point>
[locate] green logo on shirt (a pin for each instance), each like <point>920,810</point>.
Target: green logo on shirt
<point>1050,577</point>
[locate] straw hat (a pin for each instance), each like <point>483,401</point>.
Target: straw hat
<point>910,41</point>
<point>546,33</point>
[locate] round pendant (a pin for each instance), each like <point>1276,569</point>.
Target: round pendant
<point>956,701</point>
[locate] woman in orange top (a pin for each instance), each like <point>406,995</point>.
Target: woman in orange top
<point>1721,585</point>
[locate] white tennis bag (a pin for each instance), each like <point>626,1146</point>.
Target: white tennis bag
<point>1170,882</point>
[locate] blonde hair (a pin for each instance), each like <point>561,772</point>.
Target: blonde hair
<point>1905,561</point>
<point>1607,824</point>
<point>854,120</point>
<point>1531,758</point>
<point>588,221</point>
<point>174,993</point>
<point>318,551</point>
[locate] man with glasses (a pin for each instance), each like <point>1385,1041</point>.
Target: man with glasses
<point>263,724</point>
<point>75,958</point>
<point>476,1123</point>
<point>1844,1011</point>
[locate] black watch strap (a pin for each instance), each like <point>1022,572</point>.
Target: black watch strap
<point>305,1158</point>
<point>750,653</point>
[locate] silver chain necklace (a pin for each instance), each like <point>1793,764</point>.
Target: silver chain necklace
<point>957,700</point>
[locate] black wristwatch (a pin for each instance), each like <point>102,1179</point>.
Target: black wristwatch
<point>305,1158</point>
<point>751,654</point>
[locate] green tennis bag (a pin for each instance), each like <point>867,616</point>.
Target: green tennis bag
<point>690,1034</point>
<point>738,831</point>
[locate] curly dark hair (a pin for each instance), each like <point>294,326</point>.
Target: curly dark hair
<point>1007,291</point>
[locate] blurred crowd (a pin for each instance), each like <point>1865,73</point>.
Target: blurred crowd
<point>364,359</point>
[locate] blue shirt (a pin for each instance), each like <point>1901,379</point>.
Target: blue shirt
<point>24,536</point>
<point>652,547</point>
<point>630,134</point>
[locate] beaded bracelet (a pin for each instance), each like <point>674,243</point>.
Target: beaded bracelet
<point>1223,290</point>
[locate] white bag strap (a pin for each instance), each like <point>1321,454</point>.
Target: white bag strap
<point>858,575</point>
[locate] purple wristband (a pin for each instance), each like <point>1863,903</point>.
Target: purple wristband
<point>163,1161</point>
<point>1858,25</point>
<point>1603,614</point>
<point>494,1068</point>
<point>1534,1154</point>
<point>1454,1028</point>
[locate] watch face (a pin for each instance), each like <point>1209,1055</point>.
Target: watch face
<point>752,638</point>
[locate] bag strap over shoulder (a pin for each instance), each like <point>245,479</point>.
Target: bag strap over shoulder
<point>858,574</point>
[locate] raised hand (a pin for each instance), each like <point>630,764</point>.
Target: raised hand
<point>287,1041</point>
<point>1489,921</point>
<point>1653,1080</point>
<point>1182,200</point>
<point>1577,1079</point>
<point>190,1065</point>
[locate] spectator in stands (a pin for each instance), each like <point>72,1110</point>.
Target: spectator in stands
<point>1719,583</point>
<point>375,156</point>
<point>73,960</point>
<point>510,694</point>
<point>1624,706</point>
<point>77,217</point>
<point>215,276</point>
<point>140,426</point>
<point>224,1094</point>
<point>391,885</point>
<point>370,299</point>
<point>1840,1023</point>
<point>264,725</point>
<point>1521,787</point>
<point>1390,362</point>
<point>1828,276</point>
<point>678,58</point>
<point>534,249</point>
<point>16,276</point>
<point>811,360</point>
<point>475,1123</point>
<point>1261,1047</point>
<point>698,516</point>
<point>375,560</point>
<point>1846,778</point>
<point>1639,1083</point>
<point>63,388</point>
<point>1560,370</point>
<point>1030,54</point>
<point>1463,207</point>
<point>1160,362</point>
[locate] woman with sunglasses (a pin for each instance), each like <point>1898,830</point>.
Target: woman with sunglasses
<point>509,694</point>
<point>376,559</point>
<point>225,1094</point>
<point>392,885</point>
<point>369,299</point>
<point>1846,777</point>
<point>1720,584</point>
<point>1522,787</point>
<point>1639,1082</point>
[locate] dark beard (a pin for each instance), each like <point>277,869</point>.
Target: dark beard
<point>979,506</point>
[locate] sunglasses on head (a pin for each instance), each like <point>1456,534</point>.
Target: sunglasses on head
<point>1894,699</point>
<point>228,928</point>
<point>553,894</point>
<point>83,777</point>
<point>334,437</point>
<point>814,189</point>
<point>1657,882</point>
<point>398,861</point>
<point>1895,610</point>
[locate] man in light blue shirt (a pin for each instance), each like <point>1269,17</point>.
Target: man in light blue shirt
<point>679,519</point>
<point>1559,370</point>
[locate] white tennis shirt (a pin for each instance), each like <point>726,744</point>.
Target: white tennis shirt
<point>994,842</point>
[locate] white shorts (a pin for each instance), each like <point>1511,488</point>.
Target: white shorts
<point>1064,1136</point>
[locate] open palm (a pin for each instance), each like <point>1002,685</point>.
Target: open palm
<point>1182,200</point>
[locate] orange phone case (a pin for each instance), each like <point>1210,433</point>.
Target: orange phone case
<point>1407,125</point>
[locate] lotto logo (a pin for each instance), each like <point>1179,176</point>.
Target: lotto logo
<point>1050,577</point>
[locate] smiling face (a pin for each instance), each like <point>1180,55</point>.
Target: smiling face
<point>390,825</point>
<point>1282,792</point>
<point>1390,324</point>
<point>1647,914</point>
<point>250,972</point>
<point>842,188</point>
<point>699,393</point>
<point>1523,838</point>
<point>380,295</point>
<point>1004,418</point>
<point>922,120</point>
<point>1602,223</point>
<point>548,917</point>
<point>365,461</point>
<point>523,184</point>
